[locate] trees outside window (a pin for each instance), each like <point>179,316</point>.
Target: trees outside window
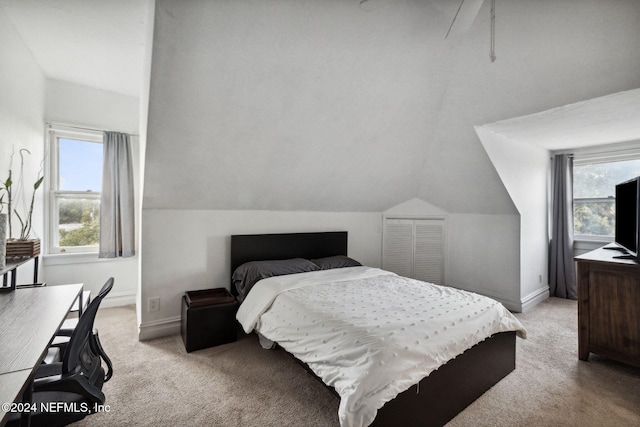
<point>594,195</point>
<point>75,185</point>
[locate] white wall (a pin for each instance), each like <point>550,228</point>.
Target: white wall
<point>484,256</point>
<point>189,250</point>
<point>481,253</point>
<point>68,103</point>
<point>22,86</point>
<point>144,117</point>
<point>524,170</point>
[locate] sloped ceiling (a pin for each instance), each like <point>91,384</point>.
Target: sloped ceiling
<point>93,43</point>
<point>333,106</point>
<point>599,121</point>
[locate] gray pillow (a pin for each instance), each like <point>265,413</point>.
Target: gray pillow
<point>337,261</point>
<point>249,273</point>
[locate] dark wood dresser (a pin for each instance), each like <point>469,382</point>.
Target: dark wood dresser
<point>608,306</point>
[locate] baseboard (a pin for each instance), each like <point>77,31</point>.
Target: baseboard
<point>159,328</point>
<point>534,298</point>
<point>516,306</point>
<point>118,299</point>
<point>511,305</point>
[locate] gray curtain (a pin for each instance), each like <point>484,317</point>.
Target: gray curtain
<point>117,233</point>
<point>562,273</point>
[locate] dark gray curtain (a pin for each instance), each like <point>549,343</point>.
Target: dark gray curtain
<point>117,233</point>
<point>562,273</point>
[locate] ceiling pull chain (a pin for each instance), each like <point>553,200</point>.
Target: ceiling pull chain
<point>493,31</point>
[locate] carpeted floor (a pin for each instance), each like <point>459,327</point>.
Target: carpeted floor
<point>156,383</point>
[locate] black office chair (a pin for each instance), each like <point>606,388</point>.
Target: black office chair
<point>56,369</point>
<point>77,381</point>
<point>61,339</point>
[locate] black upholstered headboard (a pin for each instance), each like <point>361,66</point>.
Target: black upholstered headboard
<point>262,247</point>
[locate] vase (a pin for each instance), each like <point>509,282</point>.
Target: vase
<point>3,240</point>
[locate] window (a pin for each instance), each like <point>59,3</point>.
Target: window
<point>594,184</point>
<point>75,185</point>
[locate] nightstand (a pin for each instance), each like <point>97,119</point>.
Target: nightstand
<point>208,318</point>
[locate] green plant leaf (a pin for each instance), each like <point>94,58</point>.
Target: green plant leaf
<point>38,183</point>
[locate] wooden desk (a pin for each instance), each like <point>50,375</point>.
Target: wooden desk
<point>608,306</point>
<point>29,319</point>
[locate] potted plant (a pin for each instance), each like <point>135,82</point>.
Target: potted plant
<point>23,245</point>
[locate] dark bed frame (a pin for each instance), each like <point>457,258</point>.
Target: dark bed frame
<point>437,398</point>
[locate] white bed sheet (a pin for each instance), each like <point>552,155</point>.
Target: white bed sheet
<point>369,333</point>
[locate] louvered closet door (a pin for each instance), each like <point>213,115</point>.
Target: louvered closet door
<point>415,248</point>
<point>398,247</point>
<point>428,252</point>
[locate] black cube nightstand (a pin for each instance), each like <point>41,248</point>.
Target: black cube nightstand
<point>208,318</point>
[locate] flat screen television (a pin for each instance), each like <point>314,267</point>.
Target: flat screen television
<point>627,233</point>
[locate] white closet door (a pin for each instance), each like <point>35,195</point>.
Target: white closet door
<point>397,256</point>
<point>428,255</point>
<point>415,248</point>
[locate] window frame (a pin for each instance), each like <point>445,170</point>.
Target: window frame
<point>55,133</point>
<point>603,154</point>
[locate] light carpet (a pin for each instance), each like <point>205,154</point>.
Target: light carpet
<point>156,383</point>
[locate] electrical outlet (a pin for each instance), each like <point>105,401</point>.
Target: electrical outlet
<point>540,278</point>
<point>154,304</point>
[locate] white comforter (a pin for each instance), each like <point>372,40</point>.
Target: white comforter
<point>369,333</point>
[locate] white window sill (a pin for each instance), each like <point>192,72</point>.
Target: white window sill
<point>77,258</point>
<point>590,243</point>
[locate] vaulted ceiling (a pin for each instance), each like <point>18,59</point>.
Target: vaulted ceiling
<point>340,104</point>
<point>336,106</point>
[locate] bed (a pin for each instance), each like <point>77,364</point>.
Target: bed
<point>433,398</point>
